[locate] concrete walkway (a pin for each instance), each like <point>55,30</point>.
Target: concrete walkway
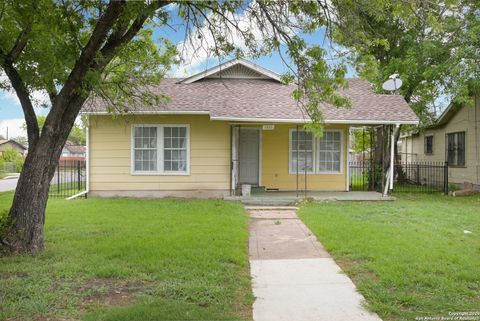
<point>294,278</point>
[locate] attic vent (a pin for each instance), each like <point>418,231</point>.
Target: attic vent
<point>238,71</point>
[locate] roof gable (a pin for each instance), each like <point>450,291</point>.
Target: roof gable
<point>234,69</point>
<point>6,141</point>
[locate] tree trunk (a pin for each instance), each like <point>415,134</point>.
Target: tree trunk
<point>27,214</point>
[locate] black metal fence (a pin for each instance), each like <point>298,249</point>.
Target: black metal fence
<point>69,179</point>
<point>426,177</point>
<point>422,177</point>
<point>365,175</point>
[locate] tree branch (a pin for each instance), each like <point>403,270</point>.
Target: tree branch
<point>113,44</point>
<point>25,101</point>
<point>7,63</point>
<point>125,34</point>
<point>89,52</point>
<point>20,44</point>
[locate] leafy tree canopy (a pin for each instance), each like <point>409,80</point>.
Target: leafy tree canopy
<point>77,134</point>
<point>433,45</point>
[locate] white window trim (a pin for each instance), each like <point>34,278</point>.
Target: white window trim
<point>160,141</point>
<point>316,144</point>
<point>290,159</point>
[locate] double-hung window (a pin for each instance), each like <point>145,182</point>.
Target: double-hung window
<point>456,149</point>
<point>315,155</point>
<point>330,152</point>
<point>428,144</point>
<point>160,149</point>
<point>301,151</point>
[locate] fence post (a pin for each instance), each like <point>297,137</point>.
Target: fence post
<point>58,177</point>
<point>445,178</point>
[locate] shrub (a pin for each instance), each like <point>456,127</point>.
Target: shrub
<point>12,156</point>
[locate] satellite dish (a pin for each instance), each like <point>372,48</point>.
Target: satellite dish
<point>393,83</point>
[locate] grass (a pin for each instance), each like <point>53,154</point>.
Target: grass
<point>3,175</point>
<point>409,258</point>
<point>125,259</point>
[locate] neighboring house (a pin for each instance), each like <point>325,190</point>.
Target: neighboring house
<point>71,150</point>
<point>6,144</point>
<point>230,125</point>
<point>455,138</point>
<point>72,155</point>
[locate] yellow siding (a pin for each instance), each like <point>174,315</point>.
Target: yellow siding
<point>110,155</point>
<point>210,154</point>
<point>275,157</point>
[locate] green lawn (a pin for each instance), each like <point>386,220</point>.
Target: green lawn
<point>409,257</point>
<point>3,175</point>
<point>125,259</point>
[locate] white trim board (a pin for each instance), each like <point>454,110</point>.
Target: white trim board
<point>264,120</point>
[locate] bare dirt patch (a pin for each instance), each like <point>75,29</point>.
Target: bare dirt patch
<point>110,292</point>
<point>355,268</point>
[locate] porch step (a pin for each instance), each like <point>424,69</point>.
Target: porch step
<point>273,201</point>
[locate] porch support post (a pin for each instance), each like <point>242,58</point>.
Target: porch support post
<point>349,131</point>
<point>87,158</point>
<point>234,157</point>
<point>392,155</point>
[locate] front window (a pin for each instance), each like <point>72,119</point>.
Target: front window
<point>456,149</point>
<point>160,149</point>
<point>174,149</point>
<point>428,145</point>
<point>301,150</point>
<point>329,152</point>
<point>315,154</point>
<point>145,149</point>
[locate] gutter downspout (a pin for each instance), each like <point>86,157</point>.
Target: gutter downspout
<point>88,155</point>
<point>389,183</point>
<point>392,155</point>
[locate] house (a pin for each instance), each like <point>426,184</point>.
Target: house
<point>230,125</point>
<point>6,144</point>
<point>454,138</point>
<point>72,155</point>
<point>72,150</point>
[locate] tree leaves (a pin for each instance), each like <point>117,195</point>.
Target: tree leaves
<point>432,45</point>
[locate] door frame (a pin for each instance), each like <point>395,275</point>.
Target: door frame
<point>260,138</point>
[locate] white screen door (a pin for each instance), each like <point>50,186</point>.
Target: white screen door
<point>248,155</point>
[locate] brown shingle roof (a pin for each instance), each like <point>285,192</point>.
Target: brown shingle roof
<point>76,149</point>
<point>252,99</point>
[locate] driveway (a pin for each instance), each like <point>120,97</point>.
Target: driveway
<point>11,183</point>
<point>294,278</point>
<point>8,184</point>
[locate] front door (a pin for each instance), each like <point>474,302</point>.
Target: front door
<point>248,156</point>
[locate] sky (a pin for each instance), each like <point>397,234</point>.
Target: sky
<point>11,115</point>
